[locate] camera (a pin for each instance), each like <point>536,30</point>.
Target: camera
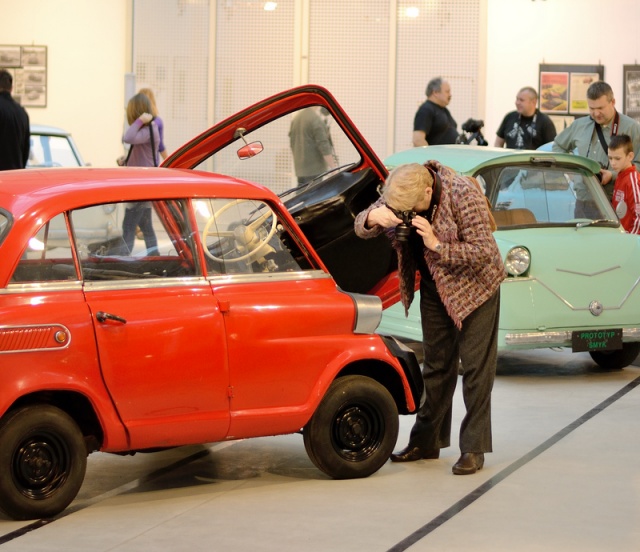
<point>403,230</point>
<point>472,125</point>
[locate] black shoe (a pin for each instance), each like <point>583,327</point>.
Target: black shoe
<point>468,463</point>
<point>411,454</point>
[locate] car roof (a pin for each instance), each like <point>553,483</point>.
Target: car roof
<point>468,159</point>
<point>47,130</point>
<point>46,192</point>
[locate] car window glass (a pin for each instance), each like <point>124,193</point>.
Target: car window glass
<point>134,240</point>
<point>51,151</point>
<point>5,222</point>
<point>321,144</point>
<point>243,236</point>
<point>547,196</point>
<point>48,256</point>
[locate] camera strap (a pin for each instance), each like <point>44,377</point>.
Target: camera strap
<point>614,132</point>
<point>435,197</point>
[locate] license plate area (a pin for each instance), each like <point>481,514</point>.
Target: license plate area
<point>596,340</point>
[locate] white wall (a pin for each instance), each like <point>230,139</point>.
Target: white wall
<point>86,52</point>
<point>88,55</point>
<point>521,34</point>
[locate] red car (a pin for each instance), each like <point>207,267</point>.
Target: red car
<point>221,323</point>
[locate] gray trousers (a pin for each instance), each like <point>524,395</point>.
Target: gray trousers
<point>476,345</point>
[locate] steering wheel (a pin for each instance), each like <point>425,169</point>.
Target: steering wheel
<point>244,237</point>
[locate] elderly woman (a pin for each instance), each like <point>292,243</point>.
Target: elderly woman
<point>440,226</point>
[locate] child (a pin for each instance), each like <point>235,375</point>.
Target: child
<point>626,193</point>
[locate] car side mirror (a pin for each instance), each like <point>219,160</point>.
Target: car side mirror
<point>250,150</point>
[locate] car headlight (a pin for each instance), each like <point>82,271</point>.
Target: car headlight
<point>517,261</point>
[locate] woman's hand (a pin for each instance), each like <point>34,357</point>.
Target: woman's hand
<point>146,118</point>
<point>425,230</point>
<point>382,216</point>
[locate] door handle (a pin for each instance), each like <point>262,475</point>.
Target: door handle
<point>104,316</point>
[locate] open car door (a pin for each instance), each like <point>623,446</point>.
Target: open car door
<point>272,143</point>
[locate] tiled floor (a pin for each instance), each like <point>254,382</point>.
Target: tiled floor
<point>565,475</point>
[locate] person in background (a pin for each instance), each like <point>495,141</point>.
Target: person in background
<point>626,192</point>
<point>446,237</point>
<point>15,134</point>
<point>526,127</point>
<point>433,124</point>
<point>591,135</point>
<point>311,144</point>
<point>143,136</point>
<point>156,119</point>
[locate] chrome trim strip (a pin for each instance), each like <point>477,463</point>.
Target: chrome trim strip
<point>150,283</point>
<point>268,277</point>
<point>39,287</point>
<point>26,327</point>
<point>562,337</point>
<point>588,274</point>
<point>368,312</point>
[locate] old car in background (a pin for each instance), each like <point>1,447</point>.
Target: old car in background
<point>573,272</point>
<point>231,328</point>
<point>52,147</point>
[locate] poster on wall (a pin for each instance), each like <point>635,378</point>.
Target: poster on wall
<point>631,91</point>
<point>563,88</point>
<point>28,66</point>
<point>554,88</point>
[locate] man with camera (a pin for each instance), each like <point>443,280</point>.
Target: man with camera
<point>433,124</point>
<point>439,225</point>
<point>526,127</point>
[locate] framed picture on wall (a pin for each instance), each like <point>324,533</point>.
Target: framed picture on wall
<point>563,88</point>
<point>28,66</point>
<point>631,91</point>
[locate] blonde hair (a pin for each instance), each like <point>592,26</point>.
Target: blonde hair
<point>138,105</point>
<point>405,186</point>
<point>152,98</point>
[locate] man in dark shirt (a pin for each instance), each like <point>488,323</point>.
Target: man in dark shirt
<point>433,124</point>
<point>14,127</point>
<point>526,127</point>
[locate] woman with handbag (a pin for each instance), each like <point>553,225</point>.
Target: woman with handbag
<point>144,138</point>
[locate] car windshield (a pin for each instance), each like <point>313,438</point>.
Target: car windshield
<point>51,151</point>
<point>549,196</point>
<point>301,148</point>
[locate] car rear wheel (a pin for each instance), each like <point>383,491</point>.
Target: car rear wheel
<point>616,360</point>
<point>354,429</point>
<point>43,460</point>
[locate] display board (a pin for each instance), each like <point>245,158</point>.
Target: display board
<point>28,66</point>
<point>631,91</point>
<point>563,88</point>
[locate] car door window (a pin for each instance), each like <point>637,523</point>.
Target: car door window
<point>48,256</point>
<point>275,166</point>
<point>136,240</point>
<point>242,236</point>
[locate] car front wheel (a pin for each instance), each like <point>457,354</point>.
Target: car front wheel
<point>354,429</point>
<point>43,460</point>
<point>616,360</point>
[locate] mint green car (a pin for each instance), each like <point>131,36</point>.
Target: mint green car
<point>573,272</point>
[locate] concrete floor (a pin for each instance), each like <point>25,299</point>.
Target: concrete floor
<point>564,476</point>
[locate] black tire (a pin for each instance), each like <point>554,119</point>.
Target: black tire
<point>616,360</point>
<point>354,429</point>
<point>43,460</point>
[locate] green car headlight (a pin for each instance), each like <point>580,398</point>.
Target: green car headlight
<point>517,261</point>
